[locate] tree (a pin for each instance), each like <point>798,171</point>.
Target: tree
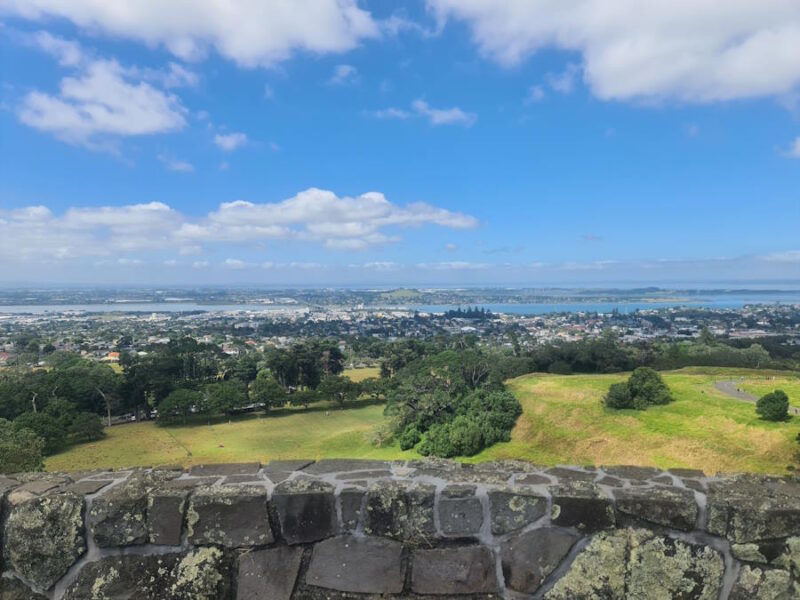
<point>225,396</point>
<point>619,396</point>
<point>86,427</point>
<point>338,388</point>
<point>62,411</point>
<point>644,388</point>
<point>20,449</point>
<point>44,426</point>
<point>179,403</point>
<point>267,391</point>
<point>773,406</point>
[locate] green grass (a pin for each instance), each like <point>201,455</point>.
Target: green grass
<point>362,374</point>
<point>564,422</point>
<point>760,385</point>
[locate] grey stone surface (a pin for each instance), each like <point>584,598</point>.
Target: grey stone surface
<point>223,469</point>
<point>201,574</point>
<point>582,505</point>
<point>87,486</point>
<point>512,508</point>
<point>43,537</point>
<point>564,474</point>
<point>229,516</point>
<point>401,511</point>
<point>336,465</point>
<point>191,482</point>
<point>533,479</point>
<point>460,570</point>
<point>529,557</point>
<point>268,574</point>
<point>366,565</point>
<point>460,512</point>
<point>14,589</point>
<point>306,510</point>
<point>670,507</point>
<point>352,502</point>
<point>166,508</point>
<point>756,583</point>
<point>633,472</point>
<point>749,508</point>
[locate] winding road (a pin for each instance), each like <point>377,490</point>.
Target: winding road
<point>729,388</point>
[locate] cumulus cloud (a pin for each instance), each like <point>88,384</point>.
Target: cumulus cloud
<point>103,101</point>
<point>68,53</point>
<point>435,116</point>
<point>174,164</point>
<point>249,32</point>
<point>699,51</point>
<point>230,141</point>
<point>36,234</point>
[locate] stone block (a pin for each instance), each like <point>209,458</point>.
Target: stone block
<point>87,486</point>
<point>460,512</point>
<point>352,502</point>
<point>528,558</point>
<point>224,469</point>
<point>364,565</point>
<point>512,508</point>
<point>401,511</point>
<point>582,505</point>
<point>459,570</point>
<point>165,512</point>
<point>43,537</point>
<point>633,472</point>
<point>229,516</point>
<point>306,510</point>
<point>563,474</point>
<point>337,465</point>
<point>268,574</point>
<point>756,583</point>
<point>201,574</point>
<point>670,507</point>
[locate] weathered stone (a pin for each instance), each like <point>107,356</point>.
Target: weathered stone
<point>191,482</point>
<point>280,470</point>
<point>563,474</point>
<point>663,480</point>
<point>229,516</point>
<point>691,473</point>
<point>306,510</point>
<point>636,563</point>
<point>44,537</point>
<point>582,505</point>
<point>531,556</point>
<point>118,517</point>
<point>664,568</point>
<point>633,472</point>
<point>336,465</point>
<point>224,469</point>
<point>460,512</point>
<point>202,574</point>
<point>597,572</point>
<point>87,486</point>
<point>788,557</point>
<point>510,509</point>
<point>14,589</point>
<point>366,565</point>
<point>401,511</point>
<point>610,481</point>
<point>671,507</point>
<point>165,511</point>
<point>377,474</point>
<point>351,501</point>
<point>461,570</point>
<point>268,574</point>
<point>532,479</point>
<point>764,584</point>
<point>697,486</point>
<point>749,508</point>
<point>239,479</point>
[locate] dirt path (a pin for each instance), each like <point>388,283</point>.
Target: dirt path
<point>729,388</point>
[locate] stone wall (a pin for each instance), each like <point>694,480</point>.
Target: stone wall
<point>341,529</point>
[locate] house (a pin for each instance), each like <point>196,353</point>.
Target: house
<point>111,357</point>
<point>4,356</point>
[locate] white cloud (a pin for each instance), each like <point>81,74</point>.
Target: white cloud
<point>173,164</point>
<point>200,264</point>
<point>269,93</point>
<point>249,32</point>
<point>564,82</point>
<point>101,102</point>
<point>698,51</point>
<point>456,265</point>
<point>68,53</point>
<point>536,93</point>
<point>36,234</point>
<point>444,116</point>
<point>794,149</point>
<point>235,263</point>
<point>789,256</point>
<point>436,116</point>
<point>344,75</point>
<point>230,141</point>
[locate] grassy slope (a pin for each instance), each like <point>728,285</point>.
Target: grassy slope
<point>362,374</point>
<point>564,422</point>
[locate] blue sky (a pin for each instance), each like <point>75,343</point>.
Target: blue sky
<point>440,142</point>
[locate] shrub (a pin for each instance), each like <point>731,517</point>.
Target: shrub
<point>20,449</point>
<point>86,427</point>
<point>773,406</point>
<point>410,438</point>
<point>644,388</point>
<point>44,426</point>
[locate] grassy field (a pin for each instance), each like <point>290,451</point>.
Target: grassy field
<point>362,374</point>
<point>564,422</point>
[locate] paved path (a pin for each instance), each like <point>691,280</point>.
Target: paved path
<point>729,388</point>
